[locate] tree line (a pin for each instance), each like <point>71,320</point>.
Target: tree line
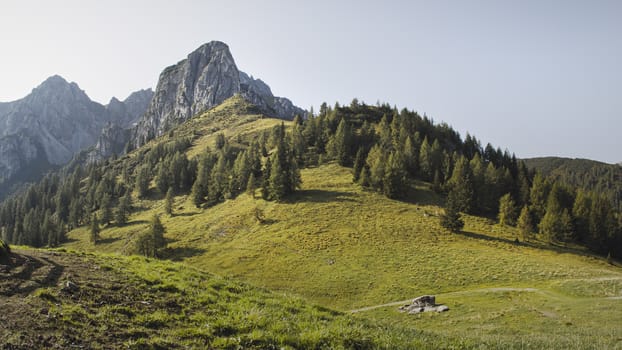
<point>388,149</point>
<point>102,194</point>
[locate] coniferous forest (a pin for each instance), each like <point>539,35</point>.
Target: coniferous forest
<point>387,149</point>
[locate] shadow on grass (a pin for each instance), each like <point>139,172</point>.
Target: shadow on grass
<point>537,245</point>
<point>181,253</point>
<point>494,239</point>
<point>108,240</point>
<point>184,214</point>
<point>319,196</point>
<point>420,196</point>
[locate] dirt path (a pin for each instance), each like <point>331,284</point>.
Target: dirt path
<point>496,290</point>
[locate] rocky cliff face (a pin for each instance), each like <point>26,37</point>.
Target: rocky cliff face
<point>54,122</point>
<point>127,113</point>
<point>206,78</point>
<point>59,116</point>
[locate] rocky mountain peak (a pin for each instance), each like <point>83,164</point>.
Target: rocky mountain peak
<point>203,80</point>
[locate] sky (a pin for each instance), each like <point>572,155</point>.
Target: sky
<point>539,78</point>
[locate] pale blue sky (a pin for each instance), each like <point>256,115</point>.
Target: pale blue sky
<point>537,77</point>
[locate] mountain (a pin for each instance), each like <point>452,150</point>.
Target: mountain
<point>49,126</point>
<point>206,78</point>
<point>584,173</point>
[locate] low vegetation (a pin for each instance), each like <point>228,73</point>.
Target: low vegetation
<point>103,302</point>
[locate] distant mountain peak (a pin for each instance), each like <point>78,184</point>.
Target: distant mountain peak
<point>206,78</point>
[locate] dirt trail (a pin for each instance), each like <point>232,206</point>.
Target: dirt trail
<point>500,289</point>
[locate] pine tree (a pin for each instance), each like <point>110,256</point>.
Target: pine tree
<point>525,224</point>
<point>359,163</point>
<point>106,208</point>
<point>411,156</point>
<point>425,160</point>
<point>451,218</point>
<point>376,164</point>
<point>581,212</point>
<point>168,202</point>
<point>538,197</point>
<point>142,180</point>
<point>94,229</point>
<point>341,143</point>
<point>251,185</point>
<point>123,209</point>
<point>507,210</point>
<point>157,231</point>
<point>461,184</point>
<point>395,177</point>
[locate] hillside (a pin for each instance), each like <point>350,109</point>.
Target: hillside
<point>60,300</point>
<point>345,248</point>
<point>587,174</point>
<point>362,247</point>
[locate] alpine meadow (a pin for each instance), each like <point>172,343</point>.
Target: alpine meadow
<point>209,213</point>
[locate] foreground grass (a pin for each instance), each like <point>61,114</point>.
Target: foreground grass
<point>133,302</point>
<point>344,248</point>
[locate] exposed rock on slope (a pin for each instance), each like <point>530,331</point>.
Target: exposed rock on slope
<point>53,123</point>
<point>206,78</point>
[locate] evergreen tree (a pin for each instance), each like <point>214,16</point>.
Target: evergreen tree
<point>251,185</point>
<point>341,143</point>
<point>218,181</point>
<point>359,163</point>
<point>507,210</point>
<point>143,178</point>
<point>538,197</point>
<point>411,156</point>
<point>106,209</point>
<point>425,160</point>
<point>123,209</point>
<point>525,224</point>
<point>149,243</point>
<point>394,182</point>
<point>94,229</point>
<point>168,202</point>
<point>376,164</point>
<point>461,185</point>
<point>157,231</point>
<point>451,218</point>
<point>284,175</point>
<point>265,181</point>
<point>581,213</point>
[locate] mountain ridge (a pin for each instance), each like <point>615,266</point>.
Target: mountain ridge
<point>47,127</point>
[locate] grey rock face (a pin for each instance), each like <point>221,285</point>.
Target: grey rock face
<point>59,116</point>
<point>112,140</point>
<point>53,123</point>
<point>206,78</point>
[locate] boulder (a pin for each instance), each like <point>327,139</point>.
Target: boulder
<point>424,303</point>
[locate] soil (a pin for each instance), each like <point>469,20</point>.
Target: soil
<point>32,318</point>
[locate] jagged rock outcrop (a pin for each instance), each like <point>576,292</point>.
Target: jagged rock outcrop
<point>126,113</point>
<point>117,133</point>
<point>203,80</point>
<point>113,140</point>
<point>53,123</point>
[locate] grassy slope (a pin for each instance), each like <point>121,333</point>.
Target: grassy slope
<point>133,302</point>
<point>345,248</point>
